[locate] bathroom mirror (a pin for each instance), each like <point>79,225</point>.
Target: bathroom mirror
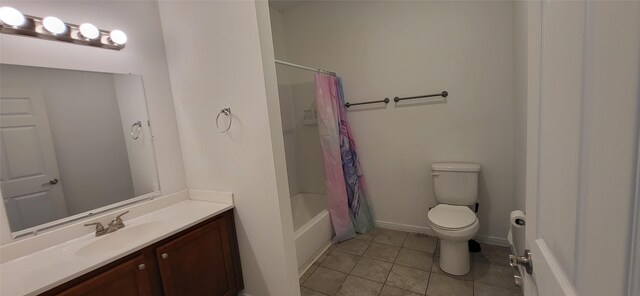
<point>72,144</point>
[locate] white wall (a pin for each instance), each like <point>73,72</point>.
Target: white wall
<point>287,108</point>
<point>520,72</point>
<point>308,149</point>
<point>80,106</point>
<point>302,141</point>
<point>144,55</point>
<point>133,108</point>
<point>216,53</point>
<point>387,49</point>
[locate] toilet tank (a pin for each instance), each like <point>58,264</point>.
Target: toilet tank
<point>455,183</point>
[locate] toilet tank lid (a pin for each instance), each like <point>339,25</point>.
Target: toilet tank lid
<point>455,167</point>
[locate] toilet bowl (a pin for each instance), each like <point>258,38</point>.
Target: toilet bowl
<point>452,220</point>
<point>454,226</point>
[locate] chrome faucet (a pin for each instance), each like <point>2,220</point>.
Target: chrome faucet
<point>113,225</point>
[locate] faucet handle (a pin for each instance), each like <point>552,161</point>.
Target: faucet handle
<point>98,225</point>
<point>118,223</point>
<point>119,217</point>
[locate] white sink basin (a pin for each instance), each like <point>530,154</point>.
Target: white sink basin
<point>119,239</point>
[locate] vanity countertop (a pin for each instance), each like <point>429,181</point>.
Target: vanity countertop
<point>48,268</point>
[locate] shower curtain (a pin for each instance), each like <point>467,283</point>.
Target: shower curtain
<point>343,178</point>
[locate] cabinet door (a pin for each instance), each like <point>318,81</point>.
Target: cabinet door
<point>129,278</point>
<point>198,263</point>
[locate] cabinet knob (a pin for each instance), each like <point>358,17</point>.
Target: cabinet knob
<point>141,266</point>
<point>165,255</point>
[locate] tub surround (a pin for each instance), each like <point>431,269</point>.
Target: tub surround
<point>37,264</point>
<point>312,228</point>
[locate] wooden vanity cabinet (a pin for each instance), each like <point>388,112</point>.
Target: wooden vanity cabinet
<point>198,261</point>
<point>202,260</point>
<point>128,278</point>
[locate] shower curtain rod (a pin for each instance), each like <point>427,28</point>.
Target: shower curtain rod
<point>306,68</point>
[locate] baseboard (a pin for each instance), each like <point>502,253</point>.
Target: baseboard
<point>485,239</point>
<point>313,260</point>
<point>405,227</point>
<point>492,240</point>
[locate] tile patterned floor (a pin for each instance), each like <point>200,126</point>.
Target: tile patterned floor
<point>395,263</point>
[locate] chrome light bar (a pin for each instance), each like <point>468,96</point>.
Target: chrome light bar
<point>52,28</point>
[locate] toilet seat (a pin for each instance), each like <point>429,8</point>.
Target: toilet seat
<point>450,217</point>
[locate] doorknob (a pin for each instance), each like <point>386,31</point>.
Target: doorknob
<point>524,261</point>
<point>51,182</point>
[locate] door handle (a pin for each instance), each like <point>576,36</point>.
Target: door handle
<point>51,182</point>
<point>524,261</point>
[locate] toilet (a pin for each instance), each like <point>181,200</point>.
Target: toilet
<point>452,220</point>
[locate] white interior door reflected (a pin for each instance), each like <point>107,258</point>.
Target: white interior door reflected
<point>31,184</point>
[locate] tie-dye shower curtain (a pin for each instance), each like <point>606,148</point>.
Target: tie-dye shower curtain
<point>343,178</point>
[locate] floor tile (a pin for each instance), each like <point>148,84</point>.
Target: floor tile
<point>382,252</point>
<point>355,286</point>
<point>493,274</point>
<point>393,291</point>
<point>420,242</point>
<point>408,278</point>
<point>353,246</point>
<point>325,281</point>
<point>441,285</point>
<point>372,269</point>
<point>375,231</point>
<point>390,237</point>
<point>324,255</point>
<point>435,268</point>
<point>329,250</point>
<point>492,254</point>
<point>308,292</point>
<point>321,259</point>
<point>480,289</point>
<point>308,273</point>
<point>340,261</point>
<point>386,269</point>
<point>365,236</point>
<point>415,259</point>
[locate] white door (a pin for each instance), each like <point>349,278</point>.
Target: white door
<point>29,178</point>
<point>582,125</point>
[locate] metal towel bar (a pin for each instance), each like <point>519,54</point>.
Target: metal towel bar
<point>443,94</point>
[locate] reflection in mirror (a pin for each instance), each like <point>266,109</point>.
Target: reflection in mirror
<point>71,142</point>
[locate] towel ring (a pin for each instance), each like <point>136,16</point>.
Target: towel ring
<point>135,135</point>
<point>226,112</point>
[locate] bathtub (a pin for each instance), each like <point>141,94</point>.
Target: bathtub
<point>312,227</point>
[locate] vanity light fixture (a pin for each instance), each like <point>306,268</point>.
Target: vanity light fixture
<point>11,17</point>
<point>54,25</point>
<point>14,22</point>
<point>89,31</point>
<point>118,37</point>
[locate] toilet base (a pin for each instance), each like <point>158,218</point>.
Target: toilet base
<point>454,257</point>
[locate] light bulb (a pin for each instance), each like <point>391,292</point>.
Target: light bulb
<point>89,31</point>
<point>12,17</point>
<point>118,37</point>
<point>54,25</point>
